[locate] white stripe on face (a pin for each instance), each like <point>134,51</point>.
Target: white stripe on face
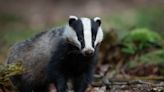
<point>70,36</point>
<point>99,36</point>
<point>87,33</point>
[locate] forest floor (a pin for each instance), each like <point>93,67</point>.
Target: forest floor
<point>130,86</point>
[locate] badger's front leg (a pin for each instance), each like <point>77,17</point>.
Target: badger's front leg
<point>56,77</point>
<point>60,84</point>
<point>41,88</point>
<point>59,80</point>
<point>81,83</point>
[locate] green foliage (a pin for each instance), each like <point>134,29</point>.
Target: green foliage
<point>9,70</point>
<point>142,35</point>
<point>129,48</point>
<point>155,58</point>
<point>138,39</point>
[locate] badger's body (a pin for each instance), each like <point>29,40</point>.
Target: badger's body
<point>56,56</point>
<point>35,53</point>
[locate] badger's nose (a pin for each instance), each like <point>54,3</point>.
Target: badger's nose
<point>88,52</point>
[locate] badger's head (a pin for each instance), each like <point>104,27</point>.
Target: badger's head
<point>84,33</point>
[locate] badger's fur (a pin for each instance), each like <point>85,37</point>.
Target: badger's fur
<point>55,56</point>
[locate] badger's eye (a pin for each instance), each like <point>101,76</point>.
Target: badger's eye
<point>80,38</point>
<point>94,38</point>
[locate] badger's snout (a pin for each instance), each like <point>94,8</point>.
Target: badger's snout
<point>88,51</point>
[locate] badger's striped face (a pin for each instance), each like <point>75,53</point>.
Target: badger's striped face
<point>85,33</point>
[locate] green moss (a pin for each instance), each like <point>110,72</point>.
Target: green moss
<point>142,35</point>
<point>140,38</point>
<point>155,58</point>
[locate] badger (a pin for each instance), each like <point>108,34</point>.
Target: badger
<point>58,55</point>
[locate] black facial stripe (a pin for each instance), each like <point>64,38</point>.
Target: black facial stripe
<point>78,27</point>
<point>94,30</point>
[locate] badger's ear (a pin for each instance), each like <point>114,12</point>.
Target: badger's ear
<point>97,20</point>
<point>72,19</point>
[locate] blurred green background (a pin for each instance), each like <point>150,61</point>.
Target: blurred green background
<point>138,25</point>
